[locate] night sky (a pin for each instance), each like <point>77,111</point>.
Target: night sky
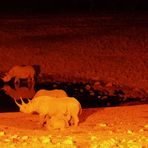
<point>47,6</point>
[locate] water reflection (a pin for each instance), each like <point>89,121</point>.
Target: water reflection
<point>19,91</point>
<point>10,92</point>
<point>88,95</point>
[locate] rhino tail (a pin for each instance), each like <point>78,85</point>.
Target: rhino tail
<point>80,109</point>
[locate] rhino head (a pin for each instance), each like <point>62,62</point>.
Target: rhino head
<point>6,78</point>
<point>24,107</point>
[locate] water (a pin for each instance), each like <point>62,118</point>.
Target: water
<point>85,93</point>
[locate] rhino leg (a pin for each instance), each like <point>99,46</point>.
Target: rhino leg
<point>17,81</point>
<point>74,120</point>
<point>43,119</point>
<point>30,80</point>
<point>75,116</point>
<point>66,119</point>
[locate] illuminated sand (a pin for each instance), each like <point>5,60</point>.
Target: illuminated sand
<point>125,126</point>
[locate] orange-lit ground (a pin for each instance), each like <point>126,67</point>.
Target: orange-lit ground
<point>125,127</point>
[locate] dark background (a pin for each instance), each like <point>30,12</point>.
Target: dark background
<point>58,6</point>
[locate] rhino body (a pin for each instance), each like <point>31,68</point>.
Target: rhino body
<point>57,122</point>
<point>20,72</point>
<point>58,93</point>
<point>52,106</point>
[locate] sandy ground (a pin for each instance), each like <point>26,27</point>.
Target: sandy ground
<point>125,126</point>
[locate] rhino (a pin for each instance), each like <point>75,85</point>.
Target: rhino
<point>58,93</point>
<point>52,106</point>
<point>58,121</point>
<point>20,72</point>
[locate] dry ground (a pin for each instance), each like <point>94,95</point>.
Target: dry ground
<point>125,127</point>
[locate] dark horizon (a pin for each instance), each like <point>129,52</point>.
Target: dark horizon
<point>47,6</point>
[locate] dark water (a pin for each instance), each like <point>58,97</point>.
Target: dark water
<point>88,94</point>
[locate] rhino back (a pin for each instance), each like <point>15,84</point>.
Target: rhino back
<point>49,105</point>
<point>24,72</point>
<point>53,93</point>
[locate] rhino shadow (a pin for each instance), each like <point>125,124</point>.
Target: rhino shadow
<point>87,112</point>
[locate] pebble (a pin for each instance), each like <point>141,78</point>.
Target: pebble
<point>102,124</point>
<point>2,133</point>
<point>68,140</point>
<point>130,132</point>
<point>146,126</point>
<point>24,137</point>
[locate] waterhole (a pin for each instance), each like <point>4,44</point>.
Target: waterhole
<point>90,95</point>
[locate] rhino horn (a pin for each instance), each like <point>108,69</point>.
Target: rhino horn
<point>19,105</point>
<point>23,103</point>
<point>29,100</point>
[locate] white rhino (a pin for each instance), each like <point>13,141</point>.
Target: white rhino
<point>58,93</point>
<point>20,72</point>
<point>56,122</point>
<point>52,106</point>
